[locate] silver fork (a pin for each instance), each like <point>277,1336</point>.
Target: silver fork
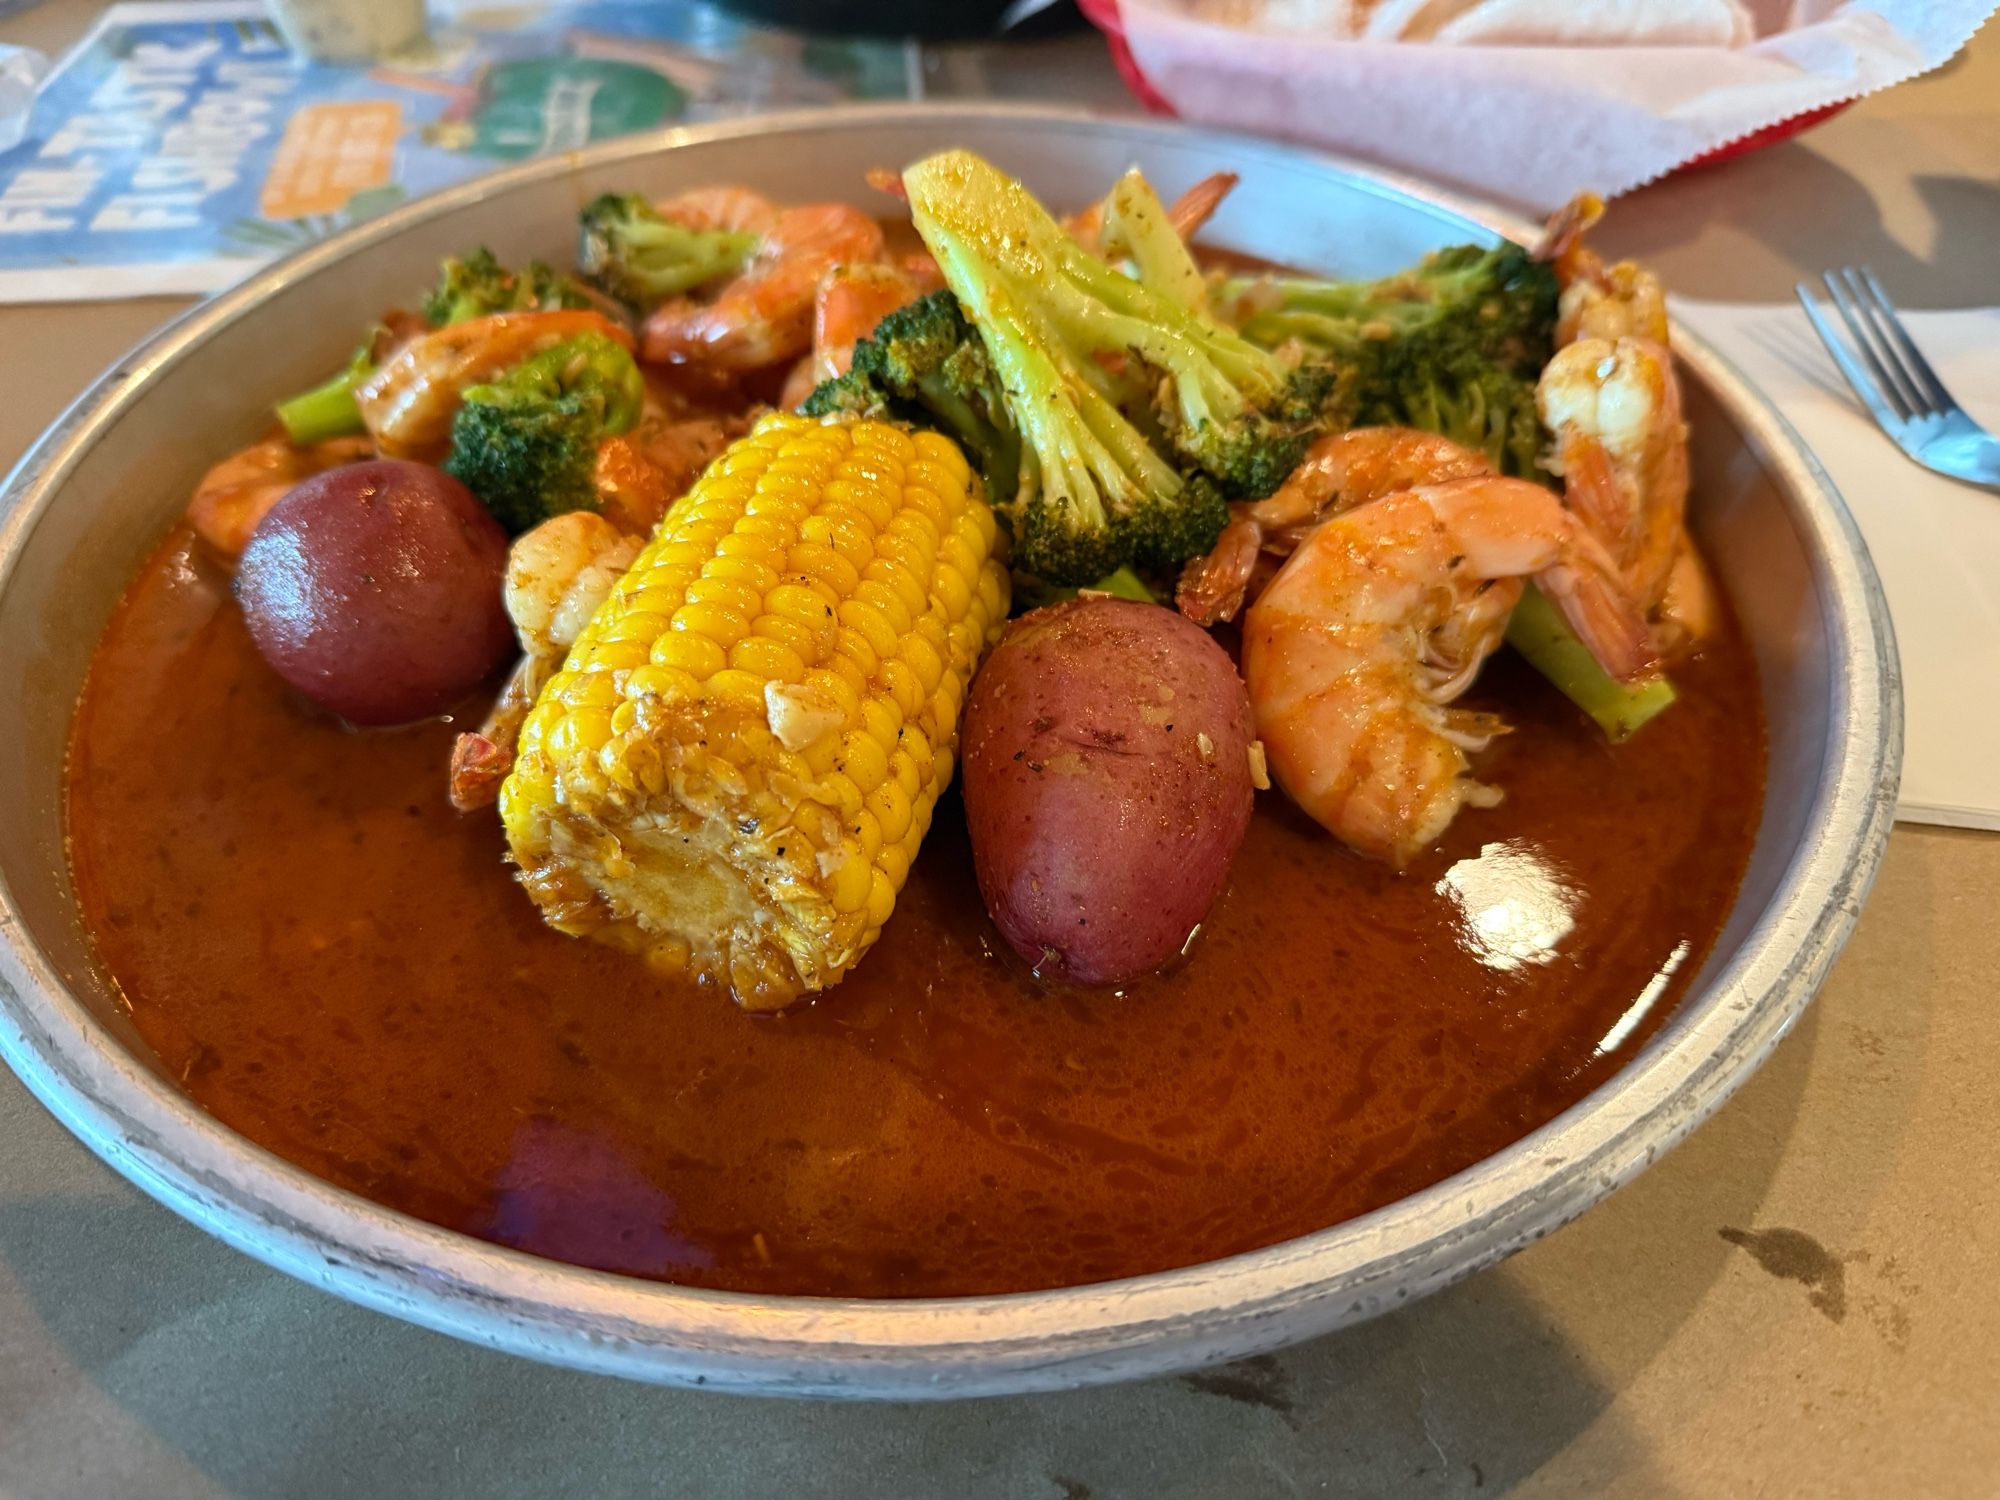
<point>1897,384</point>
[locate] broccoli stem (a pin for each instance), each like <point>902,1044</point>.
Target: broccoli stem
<point>1125,584</point>
<point>1539,632</point>
<point>328,410</point>
<point>1136,224</point>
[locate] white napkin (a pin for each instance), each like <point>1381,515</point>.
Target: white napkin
<point>1935,542</point>
<point>1536,124</point>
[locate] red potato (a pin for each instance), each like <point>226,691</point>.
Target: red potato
<point>374,589</point>
<point>1107,784</point>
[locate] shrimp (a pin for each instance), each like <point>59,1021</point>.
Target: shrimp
<point>557,576</point>
<point>409,402</point>
<point>764,316</point>
<point>720,207</point>
<point>1621,449</point>
<point>1611,399</point>
<point>237,493</point>
<point>1598,301</point>
<point>1357,648</point>
<point>850,301</point>
<point>640,473</point>
<point>1338,473</point>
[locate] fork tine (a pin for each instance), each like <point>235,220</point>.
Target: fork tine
<point>1890,385</point>
<point>1908,386</point>
<point>1913,358</point>
<point>1857,378</point>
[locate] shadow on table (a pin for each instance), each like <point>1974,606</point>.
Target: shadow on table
<point>1694,223</point>
<point>266,1388</point>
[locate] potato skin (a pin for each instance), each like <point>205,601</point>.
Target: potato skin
<point>374,589</point>
<point>1102,830</point>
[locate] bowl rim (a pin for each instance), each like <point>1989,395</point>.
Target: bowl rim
<point>940,1347</point>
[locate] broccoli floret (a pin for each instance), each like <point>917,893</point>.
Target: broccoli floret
<point>925,364</point>
<point>1453,345</point>
<point>1136,414</point>
<point>526,444</point>
<point>477,284</point>
<point>626,249</point>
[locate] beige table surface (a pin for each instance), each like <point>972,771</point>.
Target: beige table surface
<point>1803,1299</point>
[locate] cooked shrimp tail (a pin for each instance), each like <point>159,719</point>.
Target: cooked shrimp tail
<point>1562,235</point>
<point>481,758</point>
<point>1212,587</point>
<point>1599,301</point>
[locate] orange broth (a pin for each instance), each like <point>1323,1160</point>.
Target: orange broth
<point>340,967</point>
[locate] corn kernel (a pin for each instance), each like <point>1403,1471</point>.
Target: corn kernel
<point>951,592</point>
<point>763,657</point>
<point>737,690</point>
<point>799,600</point>
<point>868,501</point>
<point>904,686</point>
<point>837,791</point>
<point>892,442</point>
<point>664,681</point>
<point>852,877</point>
<point>923,659</point>
<point>845,669</point>
<point>593,655</point>
<point>853,645</point>
<point>581,731</point>
<point>882,719</point>
<point>730,594</point>
<point>867,835</point>
<point>754,573</point>
<point>815,561</point>
<point>587,690</point>
<point>881,594</point>
<point>881,898</point>
<point>690,651</point>
<point>720,624</point>
<point>903,765</point>
<point>836,689</point>
<point>906,585</point>
<point>863,759</point>
<point>868,622</point>
<point>804,641</point>
<point>891,806</point>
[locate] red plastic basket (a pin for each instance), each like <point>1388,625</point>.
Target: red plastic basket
<point>1103,14</point>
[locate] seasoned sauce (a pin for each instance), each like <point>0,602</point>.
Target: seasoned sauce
<point>341,968</point>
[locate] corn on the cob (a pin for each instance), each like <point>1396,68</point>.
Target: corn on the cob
<point>734,768</point>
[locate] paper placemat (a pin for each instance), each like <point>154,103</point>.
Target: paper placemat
<point>1935,542</point>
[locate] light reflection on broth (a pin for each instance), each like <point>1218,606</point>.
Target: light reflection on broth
<point>1515,906</point>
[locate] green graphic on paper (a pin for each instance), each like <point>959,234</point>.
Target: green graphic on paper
<point>537,105</point>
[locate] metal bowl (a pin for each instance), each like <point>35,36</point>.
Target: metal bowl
<point>88,502</point>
